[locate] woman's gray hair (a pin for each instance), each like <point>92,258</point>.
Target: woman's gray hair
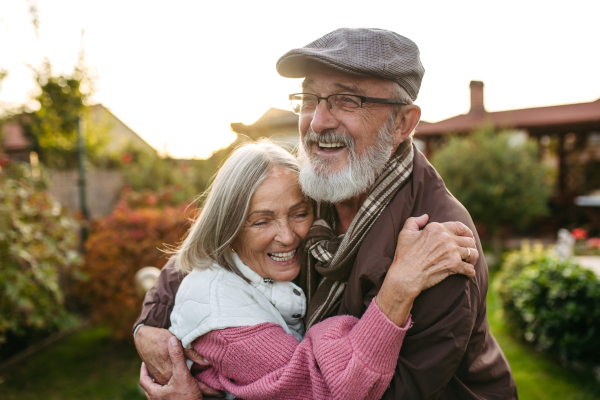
<point>226,205</point>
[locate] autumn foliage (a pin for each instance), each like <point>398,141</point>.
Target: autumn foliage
<point>117,247</point>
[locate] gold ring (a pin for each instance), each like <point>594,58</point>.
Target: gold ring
<point>468,255</point>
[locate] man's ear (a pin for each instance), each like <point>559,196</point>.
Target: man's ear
<point>406,122</point>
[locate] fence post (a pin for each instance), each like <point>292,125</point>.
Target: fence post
<point>81,180</point>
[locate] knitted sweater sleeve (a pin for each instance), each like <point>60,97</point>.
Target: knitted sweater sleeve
<point>341,358</point>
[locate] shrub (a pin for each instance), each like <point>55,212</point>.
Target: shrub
<point>585,246</point>
<point>499,180</point>
<point>117,247</point>
<point>38,243</point>
<point>170,196</point>
<point>552,303</point>
<point>145,171</point>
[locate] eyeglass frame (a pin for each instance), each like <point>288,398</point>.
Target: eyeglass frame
<point>363,99</point>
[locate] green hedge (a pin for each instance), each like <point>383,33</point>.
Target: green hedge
<point>38,248</point>
<point>551,303</point>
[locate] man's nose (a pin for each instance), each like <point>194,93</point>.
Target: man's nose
<point>322,118</point>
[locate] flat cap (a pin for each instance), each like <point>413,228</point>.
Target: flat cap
<point>360,51</point>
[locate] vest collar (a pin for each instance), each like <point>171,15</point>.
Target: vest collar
<point>286,297</point>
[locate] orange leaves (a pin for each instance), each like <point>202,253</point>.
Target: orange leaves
<point>118,246</point>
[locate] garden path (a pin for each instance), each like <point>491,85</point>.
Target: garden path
<point>589,262</point>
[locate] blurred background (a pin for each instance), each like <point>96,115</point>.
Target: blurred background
<point>115,115</point>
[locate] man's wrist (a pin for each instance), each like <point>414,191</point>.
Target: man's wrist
<point>136,329</point>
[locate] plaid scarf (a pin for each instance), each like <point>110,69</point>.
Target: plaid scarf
<point>331,257</point>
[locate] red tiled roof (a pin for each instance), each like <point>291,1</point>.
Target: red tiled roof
<point>12,137</point>
<point>564,118</point>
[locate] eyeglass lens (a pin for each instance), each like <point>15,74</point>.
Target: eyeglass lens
<point>307,103</point>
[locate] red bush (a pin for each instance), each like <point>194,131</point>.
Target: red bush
<point>118,246</point>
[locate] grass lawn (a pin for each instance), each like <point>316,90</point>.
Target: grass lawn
<point>89,365</point>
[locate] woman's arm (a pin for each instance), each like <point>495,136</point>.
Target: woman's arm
<point>342,358</point>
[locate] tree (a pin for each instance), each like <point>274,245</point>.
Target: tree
<point>53,127</point>
<point>3,75</point>
<point>500,180</point>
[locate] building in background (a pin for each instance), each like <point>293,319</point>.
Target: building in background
<point>568,135</point>
<point>281,126</point>
<point>17,145</point>
<point>121,136</point>
<point>103,187</point>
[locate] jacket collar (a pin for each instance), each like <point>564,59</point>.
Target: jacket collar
<point>286,297</point>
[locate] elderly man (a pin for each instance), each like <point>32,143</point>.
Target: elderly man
<point>357,119</point>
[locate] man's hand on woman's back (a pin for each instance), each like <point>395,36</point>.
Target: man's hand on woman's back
<point>152,345</point>
<point>163,361</point>
<point>181,386</point>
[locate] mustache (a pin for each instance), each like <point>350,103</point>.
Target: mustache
<point>311,137</point>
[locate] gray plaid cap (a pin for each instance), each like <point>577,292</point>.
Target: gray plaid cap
<point>360,51</point>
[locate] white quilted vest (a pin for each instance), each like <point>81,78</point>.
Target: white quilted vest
<point>217,299</point>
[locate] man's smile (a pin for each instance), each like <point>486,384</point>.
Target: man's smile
<point>328,149</point>
<point>332,145</point>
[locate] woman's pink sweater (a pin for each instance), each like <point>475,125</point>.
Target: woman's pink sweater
<point>341,358</point>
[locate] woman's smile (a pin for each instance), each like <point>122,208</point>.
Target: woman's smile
<point>284,258</point>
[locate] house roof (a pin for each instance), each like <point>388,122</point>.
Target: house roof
<point>273,118</point>
<point>553,119</point>
<point>581,117</point>
<point>13,138</point>
<point>120,133</point>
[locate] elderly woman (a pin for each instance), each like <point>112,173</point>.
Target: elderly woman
<point>239,308</point>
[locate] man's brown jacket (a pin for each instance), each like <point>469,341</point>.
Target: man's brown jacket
<point>449,353</point>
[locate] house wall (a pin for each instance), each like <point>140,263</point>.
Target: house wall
<point>103,188</point>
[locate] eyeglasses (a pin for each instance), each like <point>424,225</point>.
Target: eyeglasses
<point>306,103</point>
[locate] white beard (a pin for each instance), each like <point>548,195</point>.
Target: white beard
<point>319,182</point>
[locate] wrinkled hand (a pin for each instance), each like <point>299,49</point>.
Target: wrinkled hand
<point>153,347</point>
<point>429,256</point>
<point>181,386</point>
<point>422,260</point>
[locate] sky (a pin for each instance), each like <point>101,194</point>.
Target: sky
<point>179,72</point>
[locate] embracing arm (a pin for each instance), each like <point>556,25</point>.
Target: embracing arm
<point>151,336</point>
<point>446,316</point>
<point>150,329</point>
<point>435,349</point>
<point>341,357</point>
<point>159,300</point>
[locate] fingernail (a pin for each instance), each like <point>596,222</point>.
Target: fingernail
<point>173,341</point>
